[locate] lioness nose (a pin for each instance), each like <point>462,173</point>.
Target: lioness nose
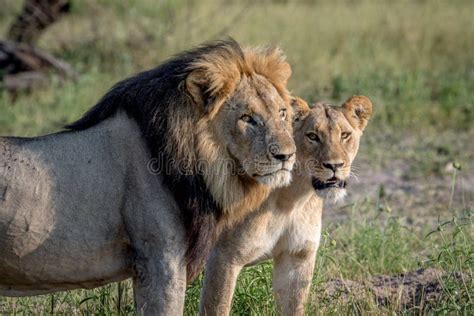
<point>282,157</point>
<point>333,165</point>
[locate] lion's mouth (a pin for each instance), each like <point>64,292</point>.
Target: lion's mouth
<point>328,184</point>
<point>276,179</point>
<point>256,175</point>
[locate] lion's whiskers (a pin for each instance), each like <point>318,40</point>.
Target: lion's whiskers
<point>354,176</point>
<point>355,168</point>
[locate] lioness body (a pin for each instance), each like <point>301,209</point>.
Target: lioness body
<point>139,186</point>
<point>287,227</point>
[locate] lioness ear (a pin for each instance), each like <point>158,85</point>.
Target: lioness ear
<point>358,110</point>
<point>300,108</point>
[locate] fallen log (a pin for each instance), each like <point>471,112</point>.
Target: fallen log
<point>23,67</point>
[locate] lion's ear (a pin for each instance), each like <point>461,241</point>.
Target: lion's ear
<point>197,86</point>
<point>209,86</point>
<point>358,110</point>
<point>300,108</point>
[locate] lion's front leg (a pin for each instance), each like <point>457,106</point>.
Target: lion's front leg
<point>219,284</point>
<point>159,283</point>
<point>292,275</point>
<point>157,239</point>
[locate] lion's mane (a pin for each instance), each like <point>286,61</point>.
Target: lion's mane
<point>176,130</point>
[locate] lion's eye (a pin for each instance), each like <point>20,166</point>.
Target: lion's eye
<point>283,114</point>
<point>345,135</point>
<point>313,137</point>
<point>248,119</point>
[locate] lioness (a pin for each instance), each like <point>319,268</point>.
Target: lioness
<point>287,227</point>
<point>137,187</point>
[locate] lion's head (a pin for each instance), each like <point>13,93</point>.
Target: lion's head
<point>327,139</point>
<point>245,133</point>
<point>250,123</point>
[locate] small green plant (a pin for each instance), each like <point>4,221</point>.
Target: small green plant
<point>454,254</point>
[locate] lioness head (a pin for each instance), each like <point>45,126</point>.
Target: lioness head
<point>327,139</point>
<point>248,109</point>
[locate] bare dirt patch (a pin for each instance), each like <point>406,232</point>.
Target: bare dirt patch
<point>418,179</point>
<point>412,290</point>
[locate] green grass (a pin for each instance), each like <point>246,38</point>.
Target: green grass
<point>368,245</point>
<point>413,58</point>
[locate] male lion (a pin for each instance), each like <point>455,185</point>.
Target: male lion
<point>137,186</point>
<point>287,227</point>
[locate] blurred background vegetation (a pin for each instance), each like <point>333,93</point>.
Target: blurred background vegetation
<point>413,58</point>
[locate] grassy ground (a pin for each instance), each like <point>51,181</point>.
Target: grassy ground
<point>413,58</point>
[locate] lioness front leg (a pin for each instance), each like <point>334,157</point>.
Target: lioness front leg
<point>292,275</point>
<point>219,284</point>
<point>159,284</point>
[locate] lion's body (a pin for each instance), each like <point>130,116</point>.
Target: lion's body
<point>125,192</point>
<point>287,227</point>
<point>63,217</point>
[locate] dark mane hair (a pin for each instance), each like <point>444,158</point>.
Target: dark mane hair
<point>147,95</point>
<point>150,98</point>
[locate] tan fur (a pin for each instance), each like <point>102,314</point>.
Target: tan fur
<point>287,227</point>
<point>329,122</point>
<point>223,70</point>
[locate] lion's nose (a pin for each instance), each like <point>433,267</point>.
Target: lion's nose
<point>333,165</point>
<point>282,157</point>
<point>282,151</point>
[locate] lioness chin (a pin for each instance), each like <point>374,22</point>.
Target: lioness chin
<point>287,227</point>
<point>123,193</point>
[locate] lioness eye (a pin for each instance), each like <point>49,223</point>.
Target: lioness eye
<point>345,135</point>
<point>283,114</point>
<point>248,119</point>
<point>313,137</point>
